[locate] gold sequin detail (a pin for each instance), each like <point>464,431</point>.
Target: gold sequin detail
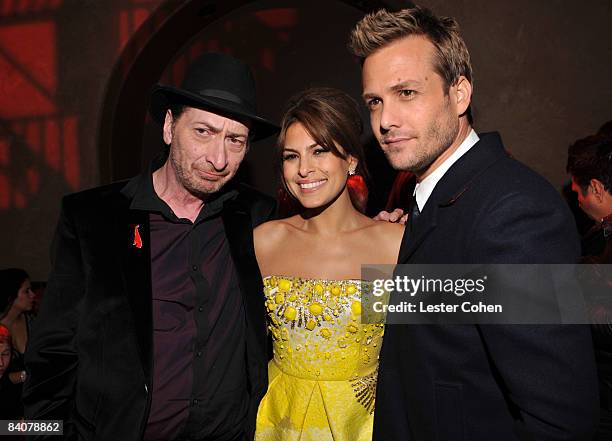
<point>301,301</point>
<point>317,332</point>
<point>365,390</point>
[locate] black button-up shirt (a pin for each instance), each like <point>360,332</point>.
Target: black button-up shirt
<point>198,388</point>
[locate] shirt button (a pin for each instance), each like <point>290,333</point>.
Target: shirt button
<point>200,308</point>
<point>199,354</point>
<point>194,267</point>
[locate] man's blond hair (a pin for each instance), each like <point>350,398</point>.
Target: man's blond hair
<point>380,28</point>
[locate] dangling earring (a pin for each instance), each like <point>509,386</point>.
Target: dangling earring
<point>358,190</point>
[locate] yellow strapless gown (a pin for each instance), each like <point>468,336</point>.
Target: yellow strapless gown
<point>322,379</point>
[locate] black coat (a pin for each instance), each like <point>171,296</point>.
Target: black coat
<point>488,382</point>
<point>89,355</point>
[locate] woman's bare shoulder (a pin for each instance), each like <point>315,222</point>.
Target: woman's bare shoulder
<point>388,236</point>
<point>269,239</point>
<point>272,232</point>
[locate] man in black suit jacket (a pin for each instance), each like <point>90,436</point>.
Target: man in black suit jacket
<point>153,323</point>
<point>473,204</point>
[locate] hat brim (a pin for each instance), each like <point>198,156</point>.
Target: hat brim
<point>162,97</point>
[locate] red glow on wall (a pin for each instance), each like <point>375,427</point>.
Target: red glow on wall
<point>32,136</point>
<point>5,155</point>
<point>130,19</point>
<point>28,78</point>
<point>124,28</point>
<point>52,143</point>
<point>5,192</point>
<point>18,128</point>
<point>53,146</point>
<point>33,179</point>
<point>140,15</point>
<point>18,7</point>
<point>19,199</point>
<point>53,156</point>
<point>278,18</point>
<point>40,138</point>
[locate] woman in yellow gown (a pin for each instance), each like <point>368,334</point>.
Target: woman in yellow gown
<point>322,378</point>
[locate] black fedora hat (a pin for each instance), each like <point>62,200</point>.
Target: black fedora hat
<point>218,83</point>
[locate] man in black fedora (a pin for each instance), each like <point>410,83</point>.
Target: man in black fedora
<point>153,323</point>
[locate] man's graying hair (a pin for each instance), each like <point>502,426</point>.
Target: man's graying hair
<point>382,27</point>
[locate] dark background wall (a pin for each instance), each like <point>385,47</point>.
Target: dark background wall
<point>543,72</point>
<point>542,78</point>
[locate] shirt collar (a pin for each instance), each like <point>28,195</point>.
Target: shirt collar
<point>145,198</point>
<point>423,189</point>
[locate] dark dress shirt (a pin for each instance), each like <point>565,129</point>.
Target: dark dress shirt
<point>199,385</point>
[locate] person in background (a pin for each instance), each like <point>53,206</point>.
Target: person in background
<point>16,304</point>
<point>589,164</point>
<point>10,393</point>
<point>5,349</point>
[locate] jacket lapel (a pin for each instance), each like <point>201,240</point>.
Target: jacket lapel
<point>422,228</point>
<point>239,232</point>
<point>135,257</point>
<point>455,182</point>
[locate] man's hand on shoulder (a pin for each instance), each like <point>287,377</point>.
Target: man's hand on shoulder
<point>395,216</point>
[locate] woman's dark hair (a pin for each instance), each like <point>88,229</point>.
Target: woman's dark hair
<point>331,117</point>
<point>11,280</point>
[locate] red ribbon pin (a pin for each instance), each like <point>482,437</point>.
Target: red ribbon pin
<point>137,239</point>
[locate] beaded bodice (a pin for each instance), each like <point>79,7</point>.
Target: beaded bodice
<point>317,331</point>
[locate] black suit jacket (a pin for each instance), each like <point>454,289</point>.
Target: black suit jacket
<point>488,382</point>
<point>89,356</point>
